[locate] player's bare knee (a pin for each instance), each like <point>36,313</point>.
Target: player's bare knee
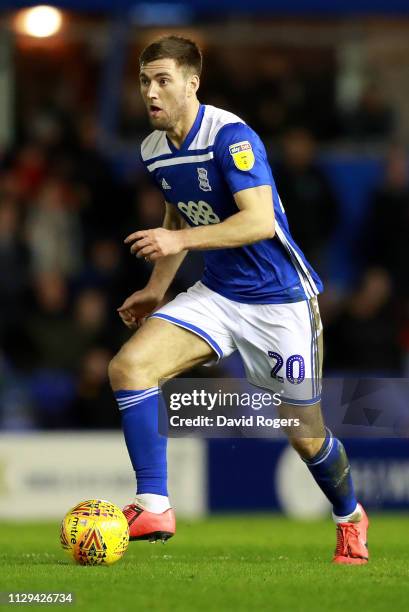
<point>307,448</point>
<point>116,372</point>
<point>129,370</point>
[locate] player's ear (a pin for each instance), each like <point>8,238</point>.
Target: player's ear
<point>193,83</point>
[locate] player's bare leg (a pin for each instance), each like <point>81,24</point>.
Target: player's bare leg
<point>157,350</point>
<point>328,463</point>
<point>308,438</point>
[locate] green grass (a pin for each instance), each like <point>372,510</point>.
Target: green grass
<point>222,563</point>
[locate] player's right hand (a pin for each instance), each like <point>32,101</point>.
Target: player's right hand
<point>136,307</point>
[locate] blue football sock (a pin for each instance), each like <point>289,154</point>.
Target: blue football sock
<point>331,470</point>
<point>146,447</point>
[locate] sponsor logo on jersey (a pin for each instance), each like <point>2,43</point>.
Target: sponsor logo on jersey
<point>204,184</point>
<point>165,184</point>
<point>199,213</point>
<point>242,154</point>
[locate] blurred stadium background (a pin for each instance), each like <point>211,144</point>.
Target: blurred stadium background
<point>326,86</point>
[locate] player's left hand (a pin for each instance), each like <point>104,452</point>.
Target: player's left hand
<point>155,243</point>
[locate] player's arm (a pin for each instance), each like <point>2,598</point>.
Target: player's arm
<point>166,267</point>
<point>141,303</point>
<point>253,222</point>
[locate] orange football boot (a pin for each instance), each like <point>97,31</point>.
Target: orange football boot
<point>144,525</point>
<point>352,547</point>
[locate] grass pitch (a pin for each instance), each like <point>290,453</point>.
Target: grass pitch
<point>223,563</point>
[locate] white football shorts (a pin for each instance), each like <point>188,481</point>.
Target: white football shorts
<point>280,344</point>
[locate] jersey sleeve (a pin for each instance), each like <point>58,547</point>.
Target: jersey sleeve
<point>242,157</point>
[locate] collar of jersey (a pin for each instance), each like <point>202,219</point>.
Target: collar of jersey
<point>192,133</point>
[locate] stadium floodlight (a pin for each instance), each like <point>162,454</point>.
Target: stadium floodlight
<point>41,21</point>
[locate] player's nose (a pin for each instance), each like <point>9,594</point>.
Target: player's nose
<point>152,91</point>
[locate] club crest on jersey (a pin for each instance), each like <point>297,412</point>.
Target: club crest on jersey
<point>204,184</point>
<point>242,154</point>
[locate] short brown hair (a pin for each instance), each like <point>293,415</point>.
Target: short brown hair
<point>185,52</point>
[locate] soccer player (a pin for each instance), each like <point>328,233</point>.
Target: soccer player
<point>258,294</point>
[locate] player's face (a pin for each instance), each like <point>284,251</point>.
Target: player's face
<point>166,89</point>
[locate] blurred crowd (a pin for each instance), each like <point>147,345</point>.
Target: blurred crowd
<point>64,270</point>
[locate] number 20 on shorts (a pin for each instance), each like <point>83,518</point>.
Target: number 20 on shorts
<point>290,366</point>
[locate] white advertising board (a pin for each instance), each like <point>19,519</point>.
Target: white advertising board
<point>42,475</point>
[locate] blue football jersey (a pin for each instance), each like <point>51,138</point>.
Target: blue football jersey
<point>220,156</point>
